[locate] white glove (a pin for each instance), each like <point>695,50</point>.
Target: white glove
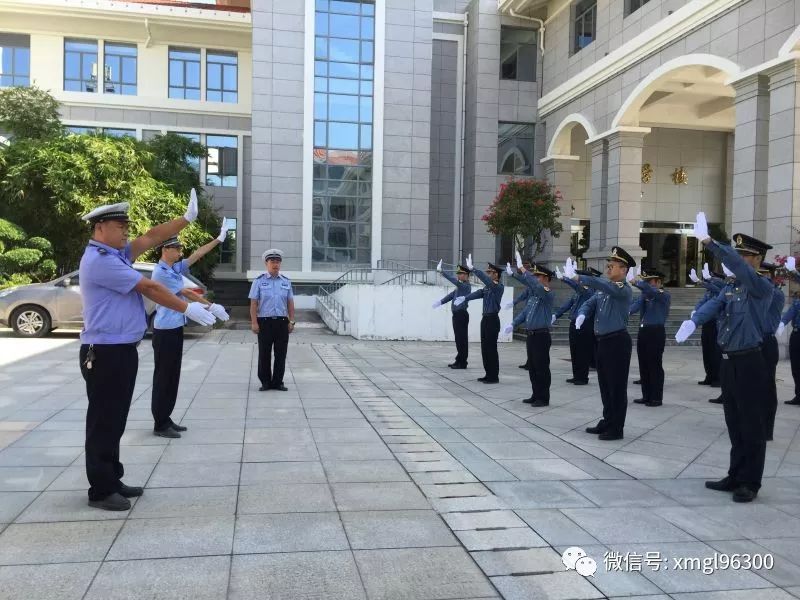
<point>791,263</point>
<point>692,314</point>
<point>459,301</point>
<point>727,271</point>
<point>508,305</point>
<point>706,271</point>
<point>436,304</point>
<point>687,328</point>
<point>579,321</point>
<point>508,329</point>
<point>197,312</point>
<point>470,266</point>
<point>223,231</point>
<point>508,269</point>
<point>631,275</point>
<point>779,331</point>
<point>519,259</point>
<point>701,227</point>
<point>439,266</point>
<point>553,320</point>
<point>693,276</point>
<point>219,312</point>
<point>191,210</point>
<point>569,270</point>
<point>559,274</point>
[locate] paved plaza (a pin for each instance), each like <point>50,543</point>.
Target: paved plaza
<point>382,474</point>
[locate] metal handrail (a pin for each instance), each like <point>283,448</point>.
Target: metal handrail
<point>415,276</point>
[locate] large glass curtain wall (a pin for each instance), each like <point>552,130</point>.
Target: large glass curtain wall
<point>343,116</point>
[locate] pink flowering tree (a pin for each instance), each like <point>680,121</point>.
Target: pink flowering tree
<point>525,211</point>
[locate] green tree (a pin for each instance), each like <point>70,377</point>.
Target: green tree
<point>28,113</point>
<point>525,211</point>
<point>23,260</point>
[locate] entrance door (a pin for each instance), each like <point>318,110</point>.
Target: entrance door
<point>673,250</point>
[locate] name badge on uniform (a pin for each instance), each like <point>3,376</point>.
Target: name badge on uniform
<point>285,286</point>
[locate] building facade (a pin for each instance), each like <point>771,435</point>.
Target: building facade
<point>356,133</point>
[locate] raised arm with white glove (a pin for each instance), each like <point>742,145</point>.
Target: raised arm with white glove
<point>223,230</point>
<point>693,276</point>
<point>727,271</point>
<point>191,209</point>
<point>687,328</point>
<point>701,227</point>
<point>791,264</point>
<point>631,275</point>
<point>518,258</point>
<point>470,266</point>
<point>219,311</point>
<point>508,269</point>
<point>706,271</point>
<point>559,274</point>
<point>439,266</point>
<point>197,312</point>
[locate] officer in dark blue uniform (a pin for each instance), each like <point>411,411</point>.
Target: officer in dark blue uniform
<point>708,339</point>
<point>745,301</point>
<point>770,347</point>
<point>792,315</point>
<point>537,316</point>
<point>460,312</point>
<point>581,341</point>
<point>653,304</point>
<point>610,306</point>
<point>492,295</point>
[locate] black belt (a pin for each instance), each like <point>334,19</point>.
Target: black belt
<point>742,352</point>
<point>491,314</point>
<point>643,326</point>
<point>612,334</point>
<point>275,318</point>
<point>539,330</point>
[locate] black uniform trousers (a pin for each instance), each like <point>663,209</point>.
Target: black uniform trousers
<point>538,350</point>
<point>794,358</point>
<point>272,332</point>
<point>581,350</point>
<point>650,350</point>
<point>490,330</point>
<point>769,350</point>
<point>613,362</point>
<point>109,387</point>
<point>712,355</point>
<point>167,356</point>
<point>461,332</point>
<point>743,387</point>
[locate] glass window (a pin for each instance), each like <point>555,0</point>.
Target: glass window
<point>80,129</point>
<point>120,68</point>
<point>222,163</point>
<point>343,114</point>
<point>222,76</point>
<point>634,5</point>
<point>15,60</point>
<point>114,132</point>
<point>192,161</point>
<point>517,54</point>
<point>515,148</point>
<point>80,65</point>
<point>585,24</point>
<point>227,250</point>
<point>184,73</point>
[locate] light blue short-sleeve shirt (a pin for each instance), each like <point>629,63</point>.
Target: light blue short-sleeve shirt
<point>172,279</point>
<point>113,312</point>
<point>272,294</point>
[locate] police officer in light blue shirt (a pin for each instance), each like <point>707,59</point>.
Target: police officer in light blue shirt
<point>168,330</point>
<point>745,302</point>
<point>272,319</point>
<point>114,324</point>
<point>460,312</point>
<point>653,305</point>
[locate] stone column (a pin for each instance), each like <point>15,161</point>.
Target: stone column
<point>559,172</point>
<point>750,159</point>
<point>783,183</point>
<point>595,255</point>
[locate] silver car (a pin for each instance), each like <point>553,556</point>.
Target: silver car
<point>35,310</point>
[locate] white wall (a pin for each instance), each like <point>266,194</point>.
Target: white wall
<point>396,312</point>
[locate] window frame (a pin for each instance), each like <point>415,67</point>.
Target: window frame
<point>14,42</point>
<point>518,45</point>
<point>515,147</point>
<point>220,163</point>
<point>628,6</point>
<point>222,90</point>
<point>576,17</point>
<point>183,65</point>
<point>119,83</point>
<point>81,54</point>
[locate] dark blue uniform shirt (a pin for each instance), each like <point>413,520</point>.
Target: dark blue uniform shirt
<point>463,288</point>
<point>539,310</point>
<point>609,304</point>
<point>492,294</point>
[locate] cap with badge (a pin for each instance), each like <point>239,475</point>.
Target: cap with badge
<point>749,245</point>
<point>653,274</point>
<point>538,269</point>
<point>590,272</point>
<point>495,268</point>
<point>618,254</point>
<point>767,267</point>
<point>172,242</point>
<point>108,212</point>
<point>462,270</point>
<point>273,254</point>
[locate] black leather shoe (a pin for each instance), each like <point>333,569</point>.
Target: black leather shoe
<point>455,366</point>
<point>608,436</point>
<point>524,367</point>
<point>704,382</point>
<point>793,401</point>
<point>169,432</point>
<point>264,388</point>
<point>539,403</point>
<point>640,401</point>
<point>744,494</point>
<point>452,365</point>
<point>129,491</point>
<point>726,484</point>
<point>491,381</point>
<point>581,382</point>
<point>482,379</point>
<point>571,380</point>
<point>718,400</point>
<point>113,501</point>
<point>280,387</point>
<point>529,400</point>
<point>599,428</point>
<point>653,403</point>
<point>177,427</point>
<point>637,382</point>
<point>715,384</point>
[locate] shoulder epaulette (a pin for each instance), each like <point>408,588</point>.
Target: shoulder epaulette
<point>620,283</point>
<point>284,277</point>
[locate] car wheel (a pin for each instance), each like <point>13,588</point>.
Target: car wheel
<point>31,321</point>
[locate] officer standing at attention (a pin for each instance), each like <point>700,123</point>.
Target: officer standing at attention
<point>653,304</point>
<point>460,313</point>
<point>272,319</point>
<point>492,295</point>
<point>793,315</point>
<point>581,341</point>
<point>610,306</point>
<point>168,331</point>
<point>708,339</point>
<point>537,316</point>
<point>769,348</point>
<point>745,301</point>
<point>523,298</point>
<point>114,322</point>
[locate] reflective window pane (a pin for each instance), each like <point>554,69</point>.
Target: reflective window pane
<point>184,73</point>
<point>343,86</point>
<point>343,50</point>
<point>120,68</point>
<point>15,60</point>
<point>222,162</point>
<point>343,108</point>
<point>344,26</point>
<point>80,65</point>
<point>515,148</point>
<point>343,136</point>
<point>222,76</point>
